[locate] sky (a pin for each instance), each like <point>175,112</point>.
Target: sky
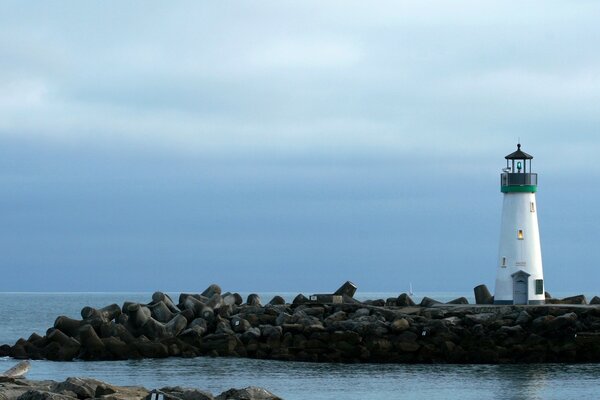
<point>291,146</point>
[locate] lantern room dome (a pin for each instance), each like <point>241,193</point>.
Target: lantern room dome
<point>519,155</point>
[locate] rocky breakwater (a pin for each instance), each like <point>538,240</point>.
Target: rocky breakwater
<point>85,388</point>
<point>322,328</point>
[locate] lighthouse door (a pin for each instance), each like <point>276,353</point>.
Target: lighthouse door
<point>520,286</point>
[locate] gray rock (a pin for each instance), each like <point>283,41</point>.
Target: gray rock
<point>595,300</point>
<point>300,299</point>
<point>83,388</point>
<point>399,325</point>
<point>253,300</point>
<point>579,299</point>
<point>404,300</point>
<point>249,393</point>
<point>179,393</point>
<point>523,318</point>
<point>211,291</point>
<point>428,302</point>
<point>480,318</point>
<point>459,300</point>
<point>43,395</point>
<point>361,312</point>
<point>348,289</point>
<point>277,300</point>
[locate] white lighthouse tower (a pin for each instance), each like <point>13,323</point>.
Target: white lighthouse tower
<point>520,278</point>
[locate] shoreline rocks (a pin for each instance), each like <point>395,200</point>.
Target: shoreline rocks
<point>86,388</point>
<point>395,330</point>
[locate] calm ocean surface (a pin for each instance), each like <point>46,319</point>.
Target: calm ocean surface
<point>24,313</point>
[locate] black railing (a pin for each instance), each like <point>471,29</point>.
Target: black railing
<point>518,179</point>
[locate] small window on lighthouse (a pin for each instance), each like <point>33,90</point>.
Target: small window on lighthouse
<point>532,206</point>
<point>520,234</point>
<point>504,261</point>
<point>539,286</point>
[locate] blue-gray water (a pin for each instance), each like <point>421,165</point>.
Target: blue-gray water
<point>23,313</point>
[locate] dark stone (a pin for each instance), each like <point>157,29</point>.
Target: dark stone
<point>300,299</point>
<point>151,349</point>
<point>82,388</point>
<point>459,300</point>
<point>376,303</point>
<point>277,300</point>
<point>67,325</point>
<point>138,314</point>
<point>404,300</point>
<point>579,299</point>
<point>349,300</point>
<point>92,345</point>
<point>160,312</point>
<point>165,298</point>
<point>211,291</point>
<point>253,300</point>
<point>428,302</point>
<point>348,289</point>
<point>249,393</point>
<point>239,325</point>
<point>180,393</point>
<point>34,394</point>
<point>106,314</point>
<point>117,348</point>
<point>523,318</point>
<point>391,302</point>
<point>221,344</point>
<point>483,295</point>
<point>595,300</point>
<point>4,350</point>
<point>238,299</point>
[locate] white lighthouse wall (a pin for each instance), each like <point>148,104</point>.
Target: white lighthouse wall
<point>515,254</point>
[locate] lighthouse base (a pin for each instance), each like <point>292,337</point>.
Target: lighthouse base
<point>511,302</point>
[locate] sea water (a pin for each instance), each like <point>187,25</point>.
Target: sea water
<point>24,313</point>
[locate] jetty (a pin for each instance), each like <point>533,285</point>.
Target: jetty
<point>329,328</point>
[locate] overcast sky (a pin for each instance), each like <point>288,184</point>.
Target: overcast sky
<point>288,146</point>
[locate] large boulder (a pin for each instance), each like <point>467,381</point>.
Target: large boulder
<point>404,300</point>
<point>483,295</point>
<point>348,289</point>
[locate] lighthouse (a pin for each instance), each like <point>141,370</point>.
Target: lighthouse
<point>519,278</point>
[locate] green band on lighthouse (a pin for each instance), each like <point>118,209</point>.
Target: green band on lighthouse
<point>519,189</point>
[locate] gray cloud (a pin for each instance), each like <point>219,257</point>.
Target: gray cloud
<point>295,144</point>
